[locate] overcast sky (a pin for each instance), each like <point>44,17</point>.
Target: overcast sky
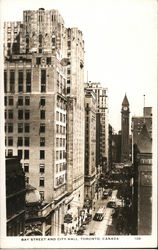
<point>120,45</point>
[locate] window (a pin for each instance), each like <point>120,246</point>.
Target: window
<point>63,142</point>
<point>57,128</point>
<point>20,141</point>
<point>42,154</point>
<point>42,128</point>
<point>57,142</point>
<point>20,81</point>
<point>12,81</point>
<point>68,90</point>
<point>26,154</point>
<point>42,141</point>
<point>10,152</point>
<point>5,114</point>
<point>57,116</point>
<point>27,141</point>
<point>42,195</point>
<point>10,128</point>
<point>20,101</point>
<point>57,156</point>
<point>20,114</point>
<point>28,81</point>
<point>57,166</point>
<point>27,114</point>
<point>43,80</point>
<point>10,114</point>
<point>20,154</point>
<point>27,100</point>
<point>61,117</point>
<point>27,127</point>
<point>64,130</point>
<point>10,141</point>
<point>20,128</point>
<point>5,101</point>
<point>61,129</point>
<point>26,167</point>
<point>42,168</point>
<point>41,182</point>
<point>42,114</point>
<point>60,142</point>
<point>38,60</point>
<point>42,101</point>
<point>5,81</point>
<point>60,154</point>
<point>48,60</point>
<point>11,101</point>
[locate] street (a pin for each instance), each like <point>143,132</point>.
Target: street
<point>100,227</point>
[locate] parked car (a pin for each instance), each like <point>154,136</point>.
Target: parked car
<point>111,204</point>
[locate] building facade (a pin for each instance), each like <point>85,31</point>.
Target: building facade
<point>102,121</point>
<point>15,197</point>
<point>125,130</point>
<point>90,146</point>
<point>39,71</point>
<point>142,195</point>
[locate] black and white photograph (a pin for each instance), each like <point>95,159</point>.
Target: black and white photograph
<point>78,86</point>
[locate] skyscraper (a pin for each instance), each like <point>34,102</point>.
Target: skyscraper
<point>125,130</point>
<point>37,82</point>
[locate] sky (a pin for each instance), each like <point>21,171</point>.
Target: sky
<point>120,45</point>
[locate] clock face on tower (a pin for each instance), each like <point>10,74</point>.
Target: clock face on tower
<point>125,108</point>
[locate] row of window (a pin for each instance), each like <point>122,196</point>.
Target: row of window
<point>60,129</point>
<point>41,168</point>
<point>59,181</point>
<point>60,154</point>
<point>10,128</point>
<point>24,114</point>
<point>60,167</point>
<point>20,81</point>
<point>10,101</point>
<point>60,117</point>
<point>25,154</point>
<point>23,141</point>
<point>60,142</point>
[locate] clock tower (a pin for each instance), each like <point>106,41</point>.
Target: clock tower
<point>125,130</point>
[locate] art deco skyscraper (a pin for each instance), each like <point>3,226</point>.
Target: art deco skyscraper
<point>36,111</point>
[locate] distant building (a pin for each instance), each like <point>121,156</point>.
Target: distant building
<point>90,145</point>
<point>110,147</point>
<point>102,123</point>
<point>116,148</point>
<point>125,130</point>
<point>138,123</point>
<point>142,196</point>
<point>15,197</point>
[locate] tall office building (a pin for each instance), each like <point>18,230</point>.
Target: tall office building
<point>90,146</point>
<point>102,123</point>
<point>125,130</point>
<point>75,119</point>
<point>36,113</point>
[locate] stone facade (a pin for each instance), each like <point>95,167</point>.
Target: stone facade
<point>90,145</point>
<point>44,101</point>
<point>102,123</point>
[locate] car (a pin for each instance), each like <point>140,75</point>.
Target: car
<point>105,194</point>
<point>111,204</point>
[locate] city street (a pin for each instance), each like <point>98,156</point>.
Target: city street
<point>100,227</point>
